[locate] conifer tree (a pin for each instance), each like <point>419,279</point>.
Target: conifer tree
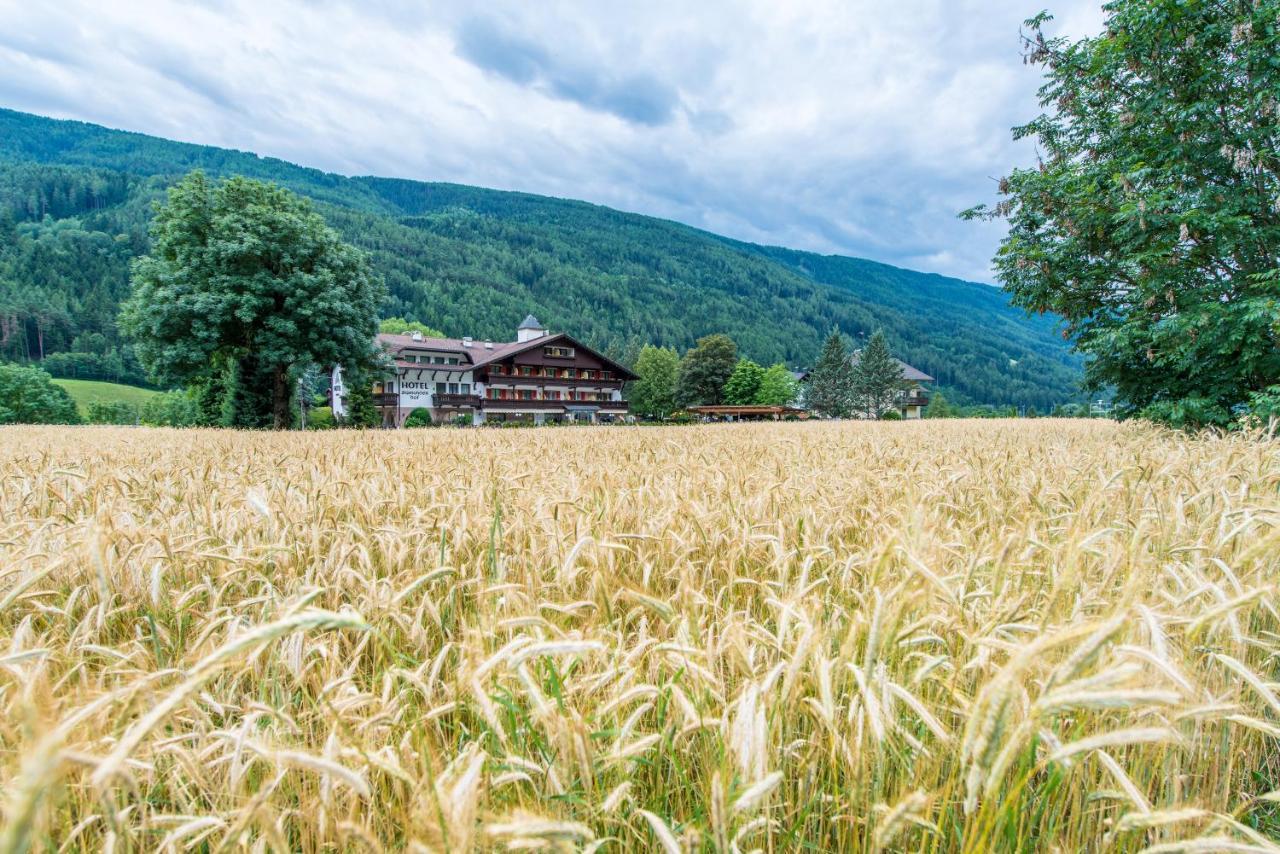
<point>877,377</point>
<point>831,381</point>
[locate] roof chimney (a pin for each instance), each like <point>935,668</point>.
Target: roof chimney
<point>416,335</point>
<point>466,341</point>
<point>488,345</point>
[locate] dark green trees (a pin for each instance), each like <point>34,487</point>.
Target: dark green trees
<point>705,369</point>
<point>245,272</point>
<point>877,378</point>
<point>1152,221</point>
<point>831,380</point>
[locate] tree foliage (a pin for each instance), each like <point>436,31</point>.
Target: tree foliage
<point>939,407</point>
<point>876,378</point>
<point>246,270</point>
<point>28,395</point>
<point>830,391</point>
<point>743,385</point>
<point>171,409</point>
<point>705,369</point>
<point>1152,220</point>
<point>400,326</point>
<point>112,412</point>
<point>777,387</point>
<point>653,395</point>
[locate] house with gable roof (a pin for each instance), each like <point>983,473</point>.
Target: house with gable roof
<point>539,377</point>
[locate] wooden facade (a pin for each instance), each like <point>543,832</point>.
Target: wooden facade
<point>539,377</point>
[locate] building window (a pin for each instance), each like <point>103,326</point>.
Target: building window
<point>453,360</point>
<point>466,388</point>
<point>558,352</point>
<point>606,375</point>
<point>440,388</point>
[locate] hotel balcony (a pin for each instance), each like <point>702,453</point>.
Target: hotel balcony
<point>498,380</point>
<point>510,405</point>
<point>386,399</point>
<point>915,400</point>
<point>455,401</point>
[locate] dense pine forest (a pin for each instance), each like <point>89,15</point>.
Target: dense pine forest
<point>75,201</point>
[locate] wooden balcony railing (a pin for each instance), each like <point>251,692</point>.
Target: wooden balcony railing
<point>386,399</point>
<point>916,400</point>
<point>512,403</point>
<point>513,379</point>
<point>452,401</point>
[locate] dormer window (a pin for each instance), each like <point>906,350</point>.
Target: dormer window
<point>558,352</point>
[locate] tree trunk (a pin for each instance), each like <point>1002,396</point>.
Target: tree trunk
<point>279,397</point>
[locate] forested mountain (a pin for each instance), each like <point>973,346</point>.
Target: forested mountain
<point>75,200</point>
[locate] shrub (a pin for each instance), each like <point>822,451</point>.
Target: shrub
<point>891,415</point>
<point>171,409</point>
<point>419,418</point>
<point>321,418</point>
<point>28,395</point>
<point>112,412</point>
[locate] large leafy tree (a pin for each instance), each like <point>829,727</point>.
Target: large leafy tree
<point>705,369</point>
<point>831,380</point>
<point>248,272</point>
<point>1152,220</point>
<point>653,395</point>
<point>744,383</point>
<point>28,395</point>
<point>877,377</point>
<point>777,387</point>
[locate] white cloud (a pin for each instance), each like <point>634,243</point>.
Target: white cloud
<point>850,126</point>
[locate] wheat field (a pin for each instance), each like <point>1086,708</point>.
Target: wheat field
<point>935,636</point>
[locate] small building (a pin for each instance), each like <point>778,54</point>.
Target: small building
<point>538,377</point>
<point>914,397</point>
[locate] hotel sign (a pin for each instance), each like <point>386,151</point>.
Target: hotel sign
<point>415,394</point>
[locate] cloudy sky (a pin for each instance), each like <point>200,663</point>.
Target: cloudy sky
<point>852,126</point>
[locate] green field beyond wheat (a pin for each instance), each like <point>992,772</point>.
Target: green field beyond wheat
<point>937,636</point>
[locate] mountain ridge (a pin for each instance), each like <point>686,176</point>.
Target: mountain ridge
<point>473,261</point>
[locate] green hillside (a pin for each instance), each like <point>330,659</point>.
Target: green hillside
<point>86,392</point>
<point>75,200</point>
